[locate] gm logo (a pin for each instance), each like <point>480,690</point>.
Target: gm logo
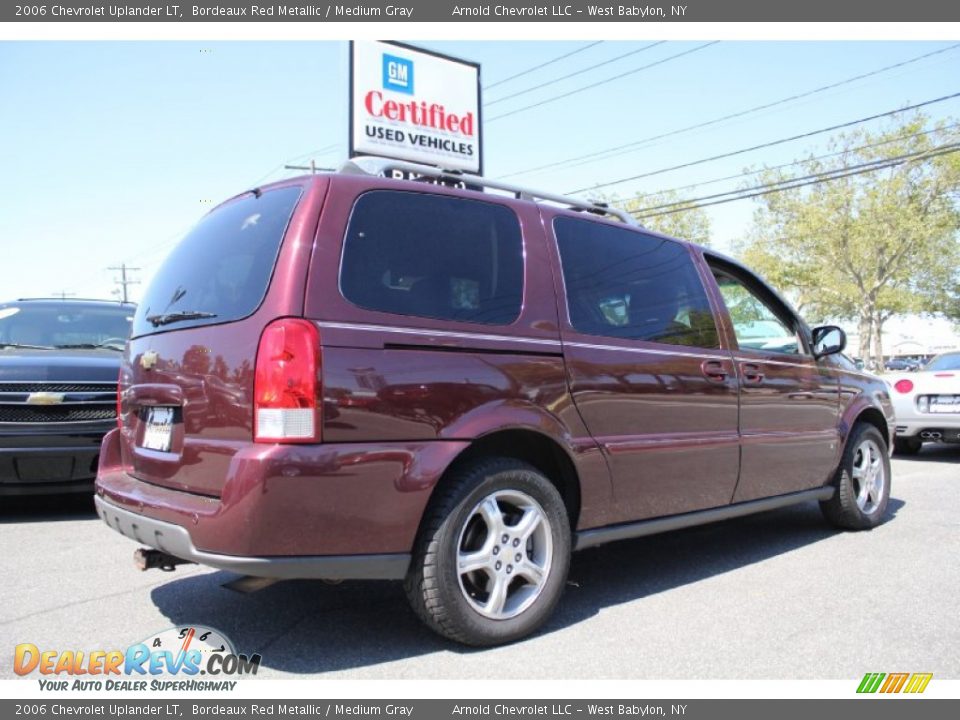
<point>397,74</point>
<point>894,682</point>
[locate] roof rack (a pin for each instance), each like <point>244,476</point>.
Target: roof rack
<point>378,166</point>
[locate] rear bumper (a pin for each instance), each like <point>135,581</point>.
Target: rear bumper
<point>175,540</point>
<point>930,430</point>
<point>327,510</point>
<point>913,424</point>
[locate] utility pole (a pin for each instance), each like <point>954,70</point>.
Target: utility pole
<point>63,295</point>
<point>123,282</point>
<point>312,167</point>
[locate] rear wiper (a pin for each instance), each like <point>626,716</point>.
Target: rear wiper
<point>89,346</point>
<point>167,318</point>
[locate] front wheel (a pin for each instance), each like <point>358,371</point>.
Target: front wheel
<point>493,554</point>
<point>862,481</point>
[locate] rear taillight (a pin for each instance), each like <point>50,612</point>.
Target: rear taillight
<point>903,386</point>
<point>285,384</point>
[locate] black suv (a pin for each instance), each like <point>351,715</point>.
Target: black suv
<point>59,361</point>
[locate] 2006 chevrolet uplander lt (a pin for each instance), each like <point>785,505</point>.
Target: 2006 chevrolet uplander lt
<point>350,376</point>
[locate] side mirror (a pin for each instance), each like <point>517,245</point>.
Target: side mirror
<point>828,340</point>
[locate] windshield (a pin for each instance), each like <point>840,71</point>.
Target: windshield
<point>220,271</point>
<point>944,362</point>
<point>64,326</point>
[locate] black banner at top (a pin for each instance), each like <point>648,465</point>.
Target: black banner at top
<point>474,11</point>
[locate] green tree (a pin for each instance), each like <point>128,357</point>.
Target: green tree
<point>689,223</point>
<point>865,246</point>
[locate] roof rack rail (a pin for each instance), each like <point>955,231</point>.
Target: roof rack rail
<point>378,166</point>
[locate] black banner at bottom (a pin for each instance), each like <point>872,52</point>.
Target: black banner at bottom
<point>874,708</point>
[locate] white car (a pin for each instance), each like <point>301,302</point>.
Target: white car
<point>927,403</point>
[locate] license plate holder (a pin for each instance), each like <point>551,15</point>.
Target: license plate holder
<point>158,429</point>
<point>945,404</point>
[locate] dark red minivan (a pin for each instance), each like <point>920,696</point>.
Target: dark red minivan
<point>351,376</point>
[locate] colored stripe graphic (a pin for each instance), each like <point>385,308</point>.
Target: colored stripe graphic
<point>870,682</point>
<point>894,682</point>
<point>918,683</point>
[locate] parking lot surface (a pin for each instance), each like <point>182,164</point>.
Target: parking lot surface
<point>776,595</point>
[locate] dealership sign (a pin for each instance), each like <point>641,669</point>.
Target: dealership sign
<point>414,105</point>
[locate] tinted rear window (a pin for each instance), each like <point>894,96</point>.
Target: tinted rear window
<point>223,265</point>
<point>433,256</point>
<point>626,284</point>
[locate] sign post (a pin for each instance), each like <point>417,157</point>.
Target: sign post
<point>411,104</point>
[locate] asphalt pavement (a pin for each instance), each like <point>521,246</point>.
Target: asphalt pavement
<point>776,595</point>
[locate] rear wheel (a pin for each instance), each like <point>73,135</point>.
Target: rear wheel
<point>493,554</point>
<point>862,481</point>
<point>907,446</point>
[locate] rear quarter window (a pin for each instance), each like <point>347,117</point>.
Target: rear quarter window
<point>223,266</point>
<point>433,256</point>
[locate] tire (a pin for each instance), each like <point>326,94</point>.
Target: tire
<point>862,481</point>
<point>501,599</point>
<point>907,446</point>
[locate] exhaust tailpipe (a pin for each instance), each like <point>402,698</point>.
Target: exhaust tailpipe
<point>148,559</point>
<point>931,435</point>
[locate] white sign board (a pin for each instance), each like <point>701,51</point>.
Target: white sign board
<point>414,105</point>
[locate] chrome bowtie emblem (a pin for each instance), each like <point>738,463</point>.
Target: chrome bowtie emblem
<point>148,360</point>
<point>44,398</point>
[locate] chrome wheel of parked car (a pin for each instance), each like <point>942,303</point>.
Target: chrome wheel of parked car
<point>504,554</point>
<point>869,475</point>
<point>862,481</point>
<point>492,555</point>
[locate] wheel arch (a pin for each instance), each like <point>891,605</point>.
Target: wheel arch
<point>530,446</point>
<point>872,416</point>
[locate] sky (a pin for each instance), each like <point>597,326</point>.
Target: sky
<point>112,150</point>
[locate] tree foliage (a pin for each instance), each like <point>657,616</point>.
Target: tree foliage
<point>687,223</point>
<point>866,245</point>
<point>691,223</point>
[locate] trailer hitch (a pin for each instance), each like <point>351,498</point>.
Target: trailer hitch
<point>148,558</point>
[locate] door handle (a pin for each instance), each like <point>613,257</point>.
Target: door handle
<point>752,373</point>
<point>714,370</point>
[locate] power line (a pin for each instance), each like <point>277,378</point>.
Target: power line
<point>783,186</point>
<point>601,154</point>
<point>805,160</point>
<point>769,144</point>
<point>601,82</point>
<point>573,74</point>
<point>824,174</point>
<point>543,65</point>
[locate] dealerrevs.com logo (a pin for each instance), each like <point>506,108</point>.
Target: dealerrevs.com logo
<point>179,658</point>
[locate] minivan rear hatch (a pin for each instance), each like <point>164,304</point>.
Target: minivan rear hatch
<point>187,377</point>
